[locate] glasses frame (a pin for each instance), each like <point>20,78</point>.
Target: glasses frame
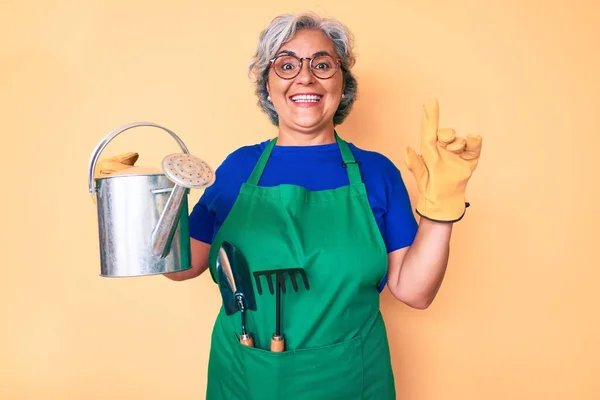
<point>338,64</point>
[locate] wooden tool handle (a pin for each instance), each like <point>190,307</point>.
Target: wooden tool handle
<point>247,340</point>
<point>277,344</point>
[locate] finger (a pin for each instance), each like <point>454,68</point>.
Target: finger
<point>457,146</point>
<point>414,162</point>
<point>472,147</point>
<point>108,167</point>
<point>104,170</point>
<point>474,143</point>
<point>429,125</point>
<point>445,136</point>
<point>127,158</point>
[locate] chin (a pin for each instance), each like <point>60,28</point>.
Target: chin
<point>307,125</point>
<point>308,128</point>
<point>311,124</point>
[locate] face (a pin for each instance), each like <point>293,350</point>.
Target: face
<point>306,103</point>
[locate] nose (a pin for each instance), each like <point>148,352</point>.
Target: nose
<point>305,76</point>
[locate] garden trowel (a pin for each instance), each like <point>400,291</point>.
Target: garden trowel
<point>235,285</point>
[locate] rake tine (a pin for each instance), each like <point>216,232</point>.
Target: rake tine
<point>258,284</point>
<point>268,278</point>
<point>270,282</point>
<point>304,278</point>
<point>281,280</point>
<point>293,279</point>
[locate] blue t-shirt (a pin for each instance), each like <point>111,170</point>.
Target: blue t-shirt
<point>314,168</point>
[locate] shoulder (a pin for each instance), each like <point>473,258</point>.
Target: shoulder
<point>230,174</point>
<point>388,196</point>
<point>375,165</point>
<point>239,163</point>
<point>371,156</point>
<point>245,155</point>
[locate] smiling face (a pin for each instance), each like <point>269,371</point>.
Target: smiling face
<point>306,104</point>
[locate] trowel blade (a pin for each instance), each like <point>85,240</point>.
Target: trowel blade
<point>234,278</point>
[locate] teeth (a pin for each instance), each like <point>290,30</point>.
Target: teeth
<point>306,98</point>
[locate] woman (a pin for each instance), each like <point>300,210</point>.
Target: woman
<point>308,199</point>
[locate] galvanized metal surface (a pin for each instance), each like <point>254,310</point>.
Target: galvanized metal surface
<point>129,208</point>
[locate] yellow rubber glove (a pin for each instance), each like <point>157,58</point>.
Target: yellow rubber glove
<point>111,165</point>
<point>443,169</point>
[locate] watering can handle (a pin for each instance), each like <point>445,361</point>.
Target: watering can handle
<point>100,146</point>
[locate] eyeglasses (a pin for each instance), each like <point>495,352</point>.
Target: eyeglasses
<point>288,66</point>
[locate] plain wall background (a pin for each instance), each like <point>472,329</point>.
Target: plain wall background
<point>517,316</point>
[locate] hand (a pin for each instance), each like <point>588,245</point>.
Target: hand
<point>443,169</point>
<point>109,166</point>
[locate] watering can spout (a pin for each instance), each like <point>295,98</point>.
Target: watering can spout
<point>163,232</point>
<point>187,172</point>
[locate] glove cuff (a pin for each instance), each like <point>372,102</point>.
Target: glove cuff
<point>450,210</point>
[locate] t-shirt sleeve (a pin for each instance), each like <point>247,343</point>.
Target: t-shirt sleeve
<point>215,203</point>
<point>400,223</point>
<point>202,219</point>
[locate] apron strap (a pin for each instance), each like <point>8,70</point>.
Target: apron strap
<point>348,162</point>
<point>261,163</point>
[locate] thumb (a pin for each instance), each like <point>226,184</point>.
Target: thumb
<point>414,163</point>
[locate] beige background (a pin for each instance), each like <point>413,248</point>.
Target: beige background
<point>517,317</point>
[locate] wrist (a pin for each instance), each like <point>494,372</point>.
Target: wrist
<point>447,209</point>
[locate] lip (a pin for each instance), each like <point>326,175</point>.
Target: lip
<point>307,104</point>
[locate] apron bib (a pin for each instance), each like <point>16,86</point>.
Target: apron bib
<point>335,340</point>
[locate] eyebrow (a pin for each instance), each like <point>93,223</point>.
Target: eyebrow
<point>291,53</point>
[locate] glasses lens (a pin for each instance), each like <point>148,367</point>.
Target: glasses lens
<point>286,67</point>
<point>324,66</point>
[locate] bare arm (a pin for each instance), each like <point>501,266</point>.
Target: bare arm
<point>199,252</point>
<point>415,273</point>
<point>441,171</point>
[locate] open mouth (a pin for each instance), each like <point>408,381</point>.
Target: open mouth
<point>306,98</point>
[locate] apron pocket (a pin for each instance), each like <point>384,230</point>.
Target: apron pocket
<point>321,373</point>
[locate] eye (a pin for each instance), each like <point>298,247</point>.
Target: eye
<point>323,63</point>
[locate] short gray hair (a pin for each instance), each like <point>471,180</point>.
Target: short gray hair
<point>281,29</point>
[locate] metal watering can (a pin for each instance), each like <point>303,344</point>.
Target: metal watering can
<point>143,215</point>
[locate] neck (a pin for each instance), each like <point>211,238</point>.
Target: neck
<point>290,137</point>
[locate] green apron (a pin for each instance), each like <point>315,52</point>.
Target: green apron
<point>335,339</point>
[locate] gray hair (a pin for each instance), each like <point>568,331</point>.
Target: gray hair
<point>282,29</point>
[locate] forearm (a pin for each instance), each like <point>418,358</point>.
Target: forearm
<point>422,270</point>
<point>199,252</point>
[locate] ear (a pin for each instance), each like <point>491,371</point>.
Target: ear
<point>268,90</point>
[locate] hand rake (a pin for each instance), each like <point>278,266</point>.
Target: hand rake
<point>277,340</point>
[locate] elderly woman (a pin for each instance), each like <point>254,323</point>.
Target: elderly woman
<point>308,199</point>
